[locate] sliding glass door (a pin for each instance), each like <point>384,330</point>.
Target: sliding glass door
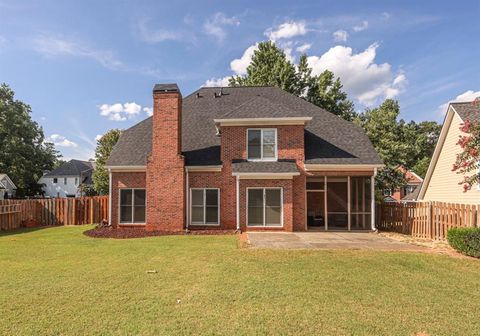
<point>264,207</point>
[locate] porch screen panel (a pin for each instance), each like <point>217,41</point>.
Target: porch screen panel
<point>360,203</point>
<point>255,207</point>
<point>337,203</point>
<point>273,207</point>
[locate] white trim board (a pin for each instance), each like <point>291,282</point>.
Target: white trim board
<point>263,121</point>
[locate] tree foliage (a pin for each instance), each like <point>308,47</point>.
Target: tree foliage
<point>24,153</point>
<point>270,67</point>
<point>104,148</point>
<point>398,143</point>
<point>467,161</point>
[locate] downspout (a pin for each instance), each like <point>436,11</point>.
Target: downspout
<point>238,203</point>
<point>187,200</point>
<point>109,197</point>
<point>372,190</point>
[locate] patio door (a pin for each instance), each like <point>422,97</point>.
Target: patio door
<point>337,203</point>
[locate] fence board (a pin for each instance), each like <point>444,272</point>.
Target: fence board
<point>429,220</point>
<point>56,211</point>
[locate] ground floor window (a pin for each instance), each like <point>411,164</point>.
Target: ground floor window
<point>132,206</point>
<point>204,208</point>
<point>264,207</point>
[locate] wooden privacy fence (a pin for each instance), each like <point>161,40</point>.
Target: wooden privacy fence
<point>55,211</point>
<point>426,219</point>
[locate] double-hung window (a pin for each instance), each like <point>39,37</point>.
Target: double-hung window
<point>132,206</point>
<point>204,209</point>
<point>264,206</point>
<point>262,144</point>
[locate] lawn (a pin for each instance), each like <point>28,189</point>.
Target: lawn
<point>57,281</point>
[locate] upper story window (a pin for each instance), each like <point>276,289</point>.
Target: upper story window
<point>262,144</point>
<point>55,180</point>
<point>64,180</point>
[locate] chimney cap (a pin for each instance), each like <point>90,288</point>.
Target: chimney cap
<point>172,87</point>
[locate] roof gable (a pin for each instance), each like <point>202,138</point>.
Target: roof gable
<point>71,168</point>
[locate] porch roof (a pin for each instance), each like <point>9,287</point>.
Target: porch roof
<point>286,166</point>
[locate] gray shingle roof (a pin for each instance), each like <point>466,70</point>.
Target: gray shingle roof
<point>71,168</point>
<point>467,111</point>
<point>413,195</point>
<point>329,139</point>
<point>264,167</point>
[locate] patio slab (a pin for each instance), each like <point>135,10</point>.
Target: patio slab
<point>328,240</point>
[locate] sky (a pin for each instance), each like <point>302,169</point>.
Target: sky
<point>86,67</point>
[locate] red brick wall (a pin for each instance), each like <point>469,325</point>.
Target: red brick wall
<point>165,167</point>
<point>123,180</point>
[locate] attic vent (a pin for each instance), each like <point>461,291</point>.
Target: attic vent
<point>199,95</point>
<point>216,95</point>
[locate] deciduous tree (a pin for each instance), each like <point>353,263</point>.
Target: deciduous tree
<point>104,148</point>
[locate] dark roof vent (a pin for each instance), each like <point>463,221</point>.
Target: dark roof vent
<point>199,95</point>
<point>217,95</point>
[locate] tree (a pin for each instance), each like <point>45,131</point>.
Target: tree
<point>24,153</point>
<point>104,148</point>
<point>270,67</point>
<point>398,143</point>
<point>467,161</point>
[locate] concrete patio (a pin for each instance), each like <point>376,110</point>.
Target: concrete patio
<point>328,240</point>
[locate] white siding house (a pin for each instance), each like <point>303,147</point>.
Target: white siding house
<point>7,187</point>
<point>67,180</point>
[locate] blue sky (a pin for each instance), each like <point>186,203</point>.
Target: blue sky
<point>88,66</point>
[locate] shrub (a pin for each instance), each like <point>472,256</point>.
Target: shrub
<point>465,240</point>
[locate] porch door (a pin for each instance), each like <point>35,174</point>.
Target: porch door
<point>337,203</point>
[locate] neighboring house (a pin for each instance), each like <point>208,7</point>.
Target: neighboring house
<point>7,188</point>
<point>441,183</point>
<point>68,179</point>
<point>244,158</point>
<point>413,182</point>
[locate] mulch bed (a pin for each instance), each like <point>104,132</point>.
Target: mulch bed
<point>125,233</point>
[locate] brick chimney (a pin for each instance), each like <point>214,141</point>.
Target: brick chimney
<point>166,165</point>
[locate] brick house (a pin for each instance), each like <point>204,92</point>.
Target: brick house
<point>243,158</point>
<point>406,192</point>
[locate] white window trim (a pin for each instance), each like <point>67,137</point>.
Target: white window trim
<point>192,223</point>
<point>261,144</point>
<point>119,207</point>
<point>264,206</point>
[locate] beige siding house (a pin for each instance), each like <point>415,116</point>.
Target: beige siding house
<point>441,183</point>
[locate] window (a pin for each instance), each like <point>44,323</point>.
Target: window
<point>262,144</point>
<point>264,206</point>
<point>76,180</point>
<point>204,207</point>
<point>55,180</point>
<point>132,206</point>
<point>64,180</point>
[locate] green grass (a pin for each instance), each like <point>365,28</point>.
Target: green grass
<point>57,281</point>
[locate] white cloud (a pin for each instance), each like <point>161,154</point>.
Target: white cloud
<point>120,112</point>
<point>51,46</point>
<point>287,30</point>
<point>61,141</point>
<point>340,36</point>
<point>148,110</point>
<point>303,48</point>
<point>360,75</point>
<point>153,36</point>
<point>98,137</point>
<point>386,15</point>
<point>467,96</point>
<point>239,66</point>
<point>360,27</point>
<point>222,82</point>
<point>215,25</point>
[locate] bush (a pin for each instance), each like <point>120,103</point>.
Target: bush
<point>465,240</point>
